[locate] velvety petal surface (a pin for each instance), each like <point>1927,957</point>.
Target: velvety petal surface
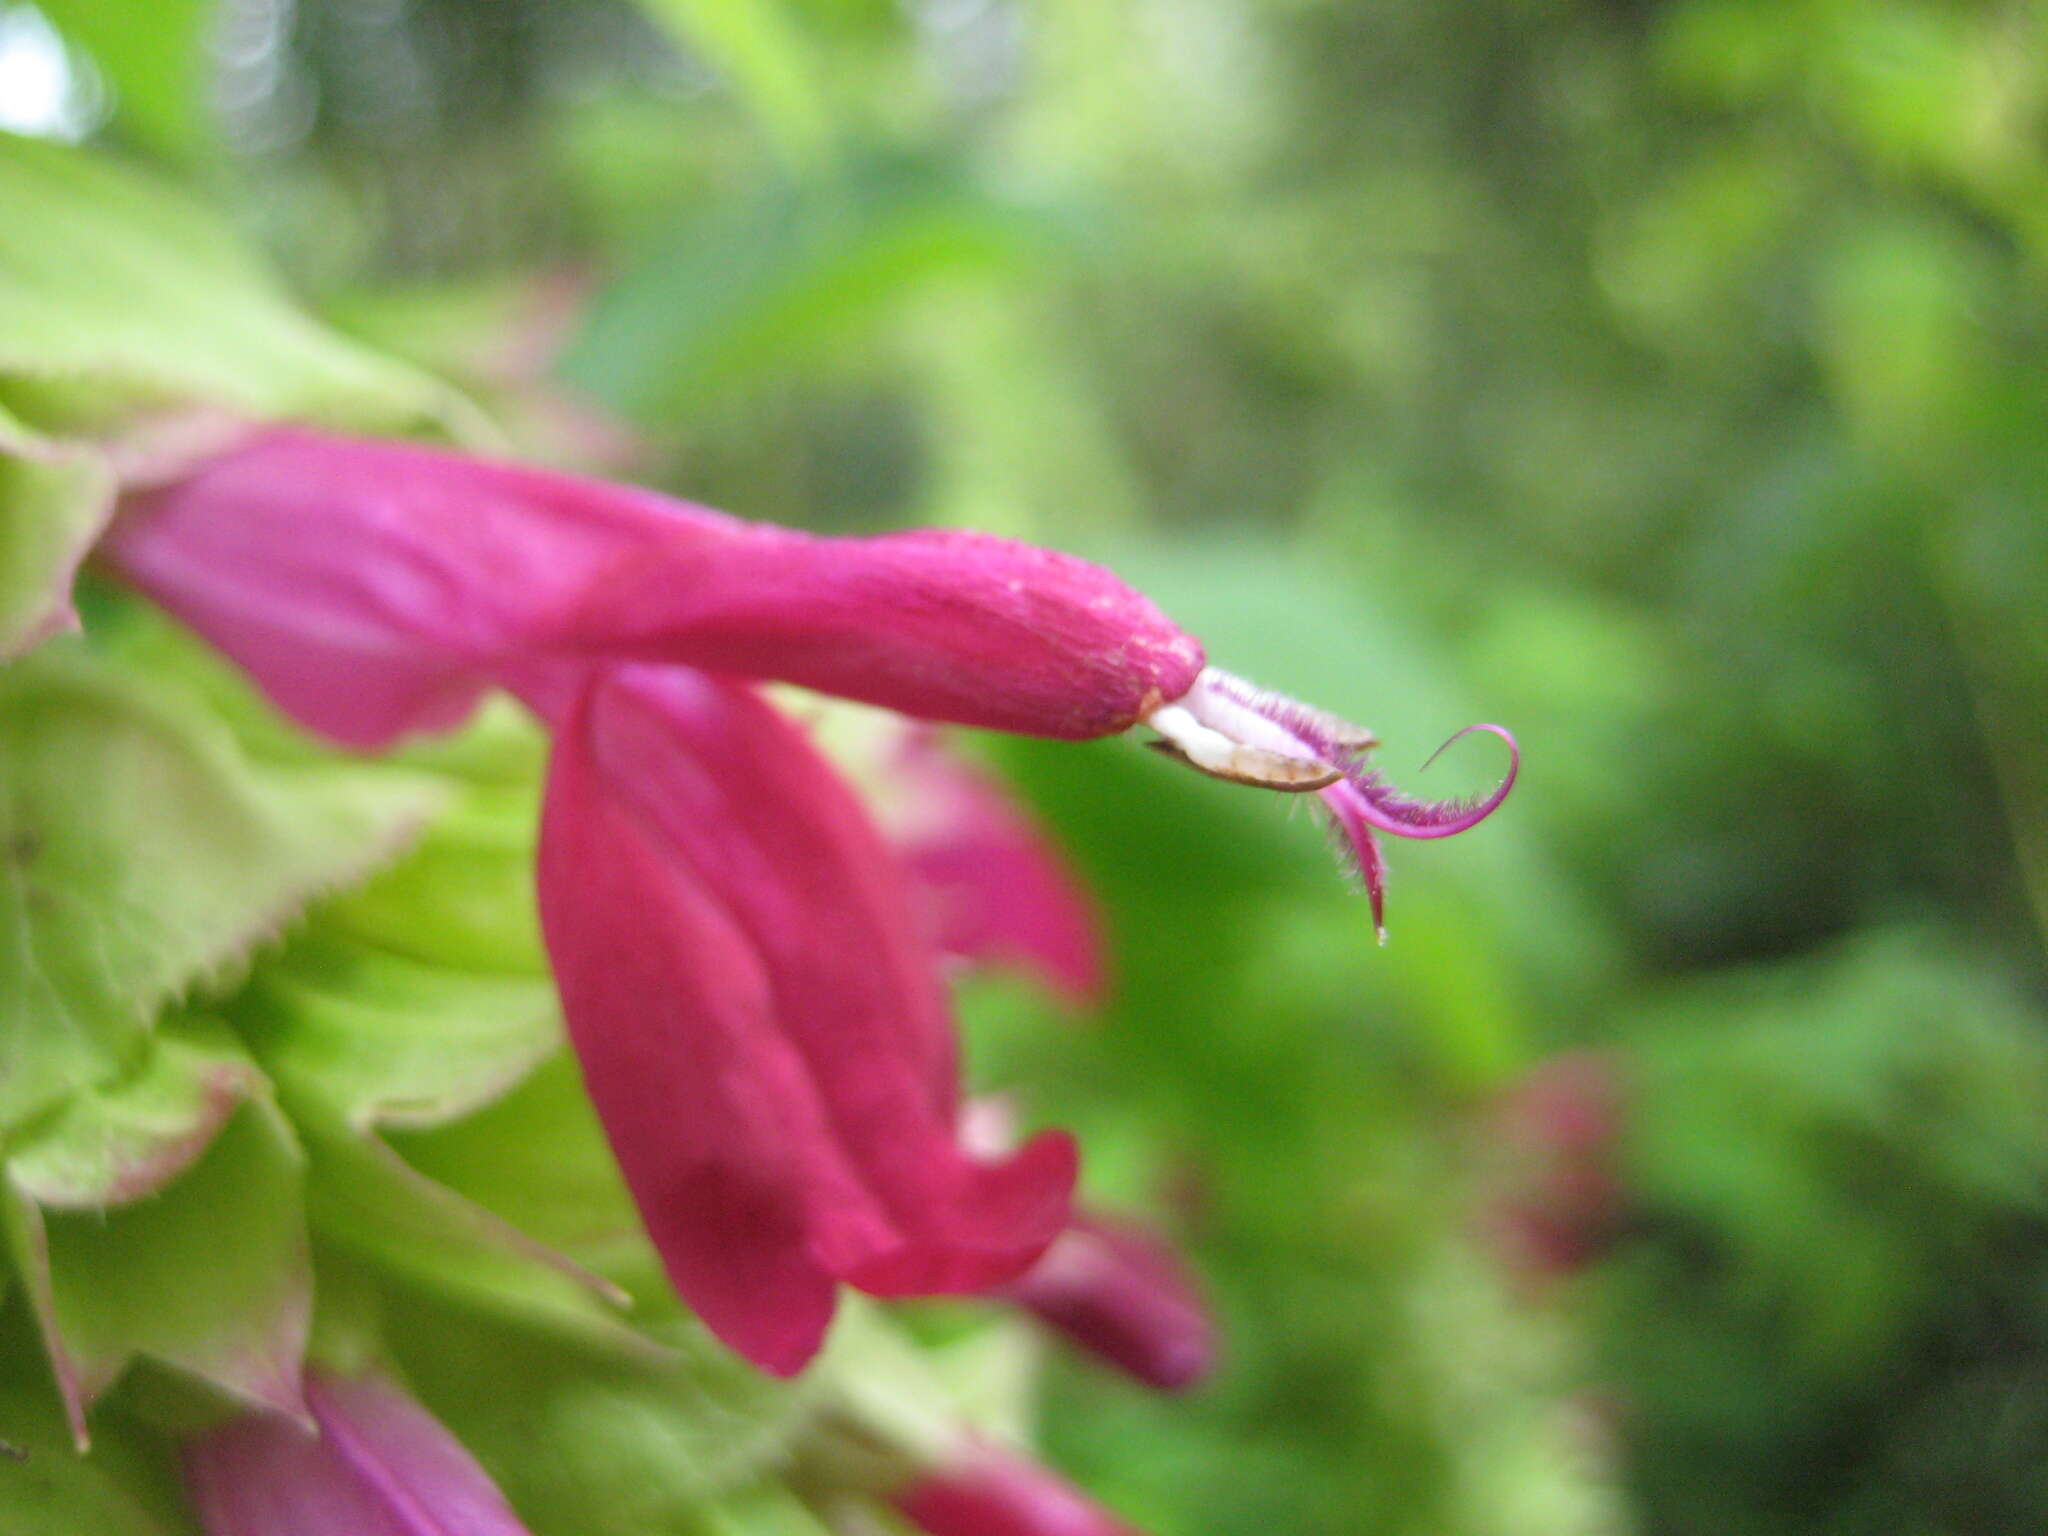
<point>369,586</point>
<point>373,588</point>
<point>757,1021</point>
<point>942,624</point>
<point>381,1465</point>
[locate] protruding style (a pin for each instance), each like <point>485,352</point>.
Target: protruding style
<point>1226,727</point>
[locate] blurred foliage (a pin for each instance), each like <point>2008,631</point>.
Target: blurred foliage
<point>1660,379</point>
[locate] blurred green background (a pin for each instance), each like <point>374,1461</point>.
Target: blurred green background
<point>1663,380</point>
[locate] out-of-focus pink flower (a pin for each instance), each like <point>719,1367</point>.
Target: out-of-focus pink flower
<point>1563,1199</point>
<point>1111,1287</point>
<point>996,889</point>
<point>740,965</point>
<point>990,1492</point>
<point>380,1465</point>
<point>1118,1292</point>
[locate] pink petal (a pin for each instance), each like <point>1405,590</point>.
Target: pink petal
<point>1387,808</point>
<point>1121,1294</point>
<point>374,588</point>
<point>1354,832</point>
<point>992,1493</point>
<point>938,623</point>
<point>380,1466</point>
<point>996,889</point>
<point>757,1023</point>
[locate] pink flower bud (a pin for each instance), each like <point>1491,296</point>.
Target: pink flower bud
<point>992,1493</point>
<point>379,1465</point>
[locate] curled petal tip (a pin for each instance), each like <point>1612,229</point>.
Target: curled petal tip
<point>1501,731</point>
<point>1355,843</point>
<point>1392,811</point>
<point>1230,729</point>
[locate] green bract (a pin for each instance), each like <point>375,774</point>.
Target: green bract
<point>119,297</point>
<point>282,1068</point>
<point>209,1273</point>
<point>55,498</point>
<point>145,855</point>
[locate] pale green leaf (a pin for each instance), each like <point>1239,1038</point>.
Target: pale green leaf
<point>114,1144</point>
<point>142,855</point>
<point>54,499</point>
<point>209,1275</point>
<point>392,1041</point>
<point>600,1447</point>
<point>770,1509</point>
<point>884,1389</point>
<point>370,1201</point>
<point>538,1159</point>
<point>119,283</point>
<point>464,897</point>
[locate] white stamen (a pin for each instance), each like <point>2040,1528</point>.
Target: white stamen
<point>1250,713</point>
<point>1275,760</point>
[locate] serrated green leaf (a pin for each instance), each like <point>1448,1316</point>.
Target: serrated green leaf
<point>360,1039</point>
<point>141,855</point>
<point>464,897</point>
<point>54,499</point>
<point>392,1041</point>
<point>116,1143</point>
<point>590,1447</point>
<point>119,282</point>
<point>369,1201</point>
<point>209,1275</point>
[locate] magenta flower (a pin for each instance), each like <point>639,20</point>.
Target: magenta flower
<point>379,1465</point>
<point>1118,1292</point>
<point>742,969</point>
<point>990,1492</point>
<point>1560,1203</point>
